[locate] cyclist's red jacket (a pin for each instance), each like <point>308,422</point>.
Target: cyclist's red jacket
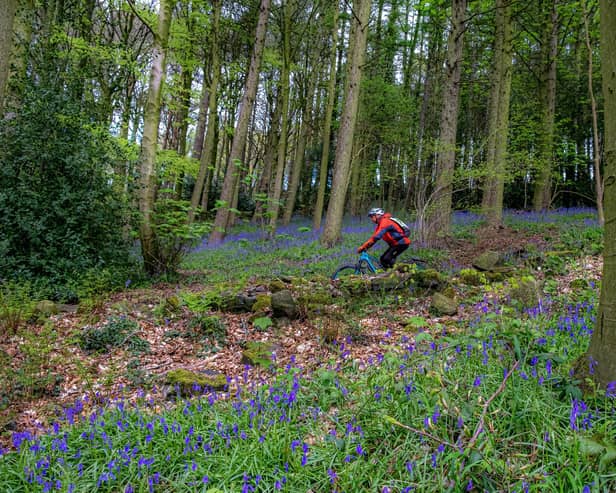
<point>387,230</point>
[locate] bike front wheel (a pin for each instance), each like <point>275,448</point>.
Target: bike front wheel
<point>345,270</point>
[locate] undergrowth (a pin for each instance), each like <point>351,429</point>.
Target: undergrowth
<point>498,404</point>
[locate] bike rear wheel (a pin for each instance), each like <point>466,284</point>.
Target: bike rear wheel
<point>345,270</point>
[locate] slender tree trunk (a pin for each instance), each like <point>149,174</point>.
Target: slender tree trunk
<point>147,159</point>
<point>206,151</point>
<point>262,191</point>
<point>603,343</point>
<point>342,163</point>
<point>204,104</point>
<point>595,126</point>
<point>439,213</point>
<point>7,18</point>
<point>542,195</point>
<point>281,155</point>
<point>327,124</point>
<point>241,128</point>
<point>498,119</point>
<point>300,150</point>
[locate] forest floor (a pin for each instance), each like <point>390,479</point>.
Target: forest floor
<point>91,378</point>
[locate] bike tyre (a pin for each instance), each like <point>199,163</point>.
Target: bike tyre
<point>345,270</point>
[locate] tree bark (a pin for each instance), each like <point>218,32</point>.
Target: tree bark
<point>149,142</point>
<point>603,342</point>
<point>241,128</point>
<point>595,126</point>
<point>542,195</point>
<point>439,213</point>
<point>498,119</point>
<point>327,124</point>
<point>285,89</point>
<point>206,151</point>
<point>7,18</point>
<point>342,164</point>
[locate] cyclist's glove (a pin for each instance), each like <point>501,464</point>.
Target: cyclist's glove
<point>361,249</point>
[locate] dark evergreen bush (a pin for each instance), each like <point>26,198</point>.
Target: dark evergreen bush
<point>60,214</point>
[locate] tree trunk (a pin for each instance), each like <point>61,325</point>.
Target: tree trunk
<point>439,212</point>
<point>603,343</point>
<point>542,195</point>
<point>300,151</point>
<point>264,183</point>
<point>149,142</point>
<point>498,119</point>
<point>241,128</point>
<point>204,104</point>
<point>595,126</point>
<point>327,124</point>
<point>7,17</point>
<point>206,151</point>
<point>281,154</point>
<point>342,163</point>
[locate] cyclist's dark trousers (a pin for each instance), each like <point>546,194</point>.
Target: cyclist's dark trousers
<point>389,257</point>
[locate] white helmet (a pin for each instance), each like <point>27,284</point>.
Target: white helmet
<point>376,211</point>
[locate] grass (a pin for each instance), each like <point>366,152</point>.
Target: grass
<point>493,404</point>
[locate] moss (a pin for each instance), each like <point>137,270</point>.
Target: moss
<point>263,303</point>
<point>277,285</point>
<point>472,277</point>
<point>185,379</point>
<point>258,353</point>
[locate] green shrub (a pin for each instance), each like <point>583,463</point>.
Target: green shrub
<point>207,327</point>
<point>16,306</point>
<point>116,332</point>
<point>60,213</point>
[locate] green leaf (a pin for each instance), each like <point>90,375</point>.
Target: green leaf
<point>262,323</point>
<point>423,336</point>
<point>417,321</point>
<point>590,447</point>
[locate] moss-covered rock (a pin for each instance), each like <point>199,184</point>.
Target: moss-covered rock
<point>284,305</point>
<point>45,308</point>
<point>237,302</point>
<point>443,305</point>
<point>259,353</point>
<point>277,285</point>
<point>188,382</point>
<point>429,279</point>
<point>262,304</point>
<point>488,260</point>
<point>525,290</point>
<point>313,299</point>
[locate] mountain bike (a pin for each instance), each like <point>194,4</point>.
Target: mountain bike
<point>366,264</point>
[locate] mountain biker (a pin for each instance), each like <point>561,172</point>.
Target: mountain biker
<point>390,232</point>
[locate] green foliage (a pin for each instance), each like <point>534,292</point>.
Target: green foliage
<point>30,373</point>
<point>116,332</point>
<point>262,323</point>
<point>16,306</point>
<point>59,212</point>
<point>207,327</point>
<point>174,233</point>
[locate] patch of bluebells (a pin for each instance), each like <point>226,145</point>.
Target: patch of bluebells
<point>257,415</point>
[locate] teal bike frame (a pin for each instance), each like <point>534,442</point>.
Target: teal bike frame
<point>365,264</point>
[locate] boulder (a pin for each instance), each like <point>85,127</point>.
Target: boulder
<point>283,304</point>
<point>187,382</point>
<point>45,308</point>
<point>487,261</point>
<point>443,305</point>
<point>525,290</point>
